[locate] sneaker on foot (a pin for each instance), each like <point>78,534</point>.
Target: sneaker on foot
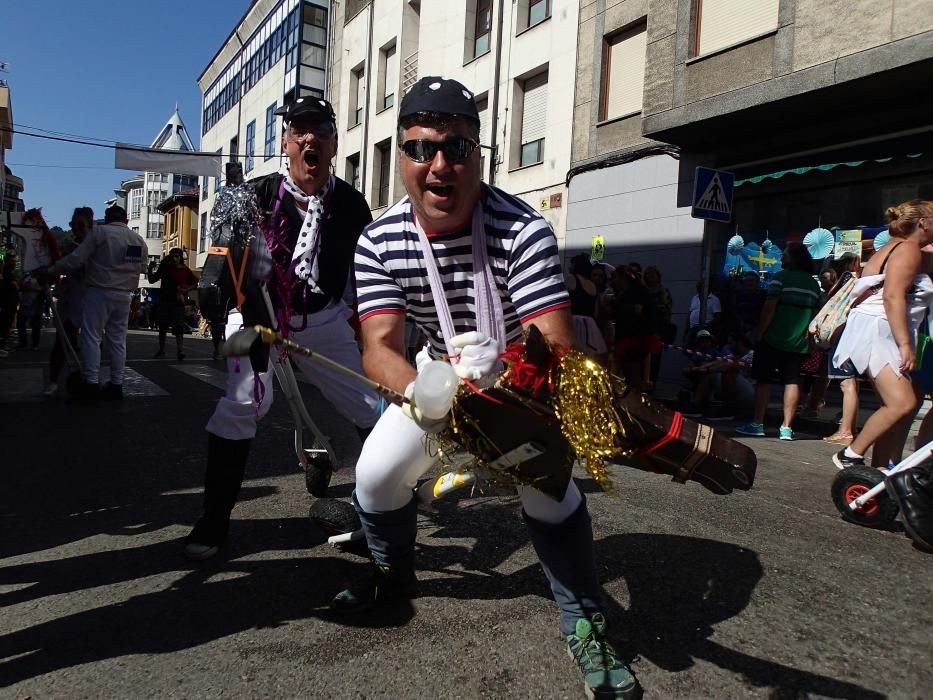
<point>180,356</point>
<point>843,462</point>
<point>605,675</point>
<point>785,433</point>
<point>386,584</point>
<point>160,353</point>
<point>751,429</point>
<point>195,551</point>
<point>50,389</point>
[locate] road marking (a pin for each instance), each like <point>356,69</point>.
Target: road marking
<point>206,373</point>
<point>136,385</point>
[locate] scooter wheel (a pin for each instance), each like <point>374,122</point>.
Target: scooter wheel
<point>853,482</point>
<point>318,474</point>
<point>74,383</point>
<point>334,517</point>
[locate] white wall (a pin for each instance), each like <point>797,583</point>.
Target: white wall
<point>634,207</point>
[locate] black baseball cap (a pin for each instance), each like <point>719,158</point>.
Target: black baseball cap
<point>441,96</point>
<point>309,107</point>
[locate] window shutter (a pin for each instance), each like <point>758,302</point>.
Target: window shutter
<point>626,87</point>
<point>534,112</point>
<point>482,106</point>
<point>727,22</point>
<point>391,82</point>
<point>360,89</point>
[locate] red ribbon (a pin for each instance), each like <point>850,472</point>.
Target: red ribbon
<point>673,432</point>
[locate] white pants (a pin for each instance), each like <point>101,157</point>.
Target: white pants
<point>104,310</point>
<point>329,334</point>
<point>394,457</point>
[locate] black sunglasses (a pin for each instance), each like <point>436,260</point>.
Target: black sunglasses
<point>456,149</point>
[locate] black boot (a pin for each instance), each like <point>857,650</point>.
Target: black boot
<point>391,540</point>
<point>913,491</point>
<point>566,554</point>
<point>226,463</point>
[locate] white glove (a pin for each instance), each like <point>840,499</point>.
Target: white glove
<point>422,358</point>
<point>428,425</point>
<point>479,357</point>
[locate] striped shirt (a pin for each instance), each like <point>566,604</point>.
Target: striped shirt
<point>523,257</point>
<point>797,294</point>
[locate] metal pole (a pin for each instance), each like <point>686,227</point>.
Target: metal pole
<point>707,270</point>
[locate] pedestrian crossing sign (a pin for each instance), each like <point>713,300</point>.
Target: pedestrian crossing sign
<point>712,194</point>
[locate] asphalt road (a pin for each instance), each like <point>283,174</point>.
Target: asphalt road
<point>767,594</point>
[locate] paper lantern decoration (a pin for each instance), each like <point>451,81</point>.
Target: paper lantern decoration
<point>881,239</point>
<point>819,242</point>
<point>736,243</point>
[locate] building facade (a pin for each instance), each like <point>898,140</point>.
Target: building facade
<point>180,212</point>
<point>277,52</point>
<point>801,100</point>
<point>11,186</point>
<point>796,97</point>
<point>142,194</point>
<point>518,58</point>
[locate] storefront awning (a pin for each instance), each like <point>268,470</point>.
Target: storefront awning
<point>825,167</point>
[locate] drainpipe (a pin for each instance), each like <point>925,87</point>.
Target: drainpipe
<point>239,102</point>
<point>367,76</point>
<point>494,114</point>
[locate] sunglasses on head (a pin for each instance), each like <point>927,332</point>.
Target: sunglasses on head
<point>455,149</point>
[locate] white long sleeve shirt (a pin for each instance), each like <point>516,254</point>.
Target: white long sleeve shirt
<point>114,256</point>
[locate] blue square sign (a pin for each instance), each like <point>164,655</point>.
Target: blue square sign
<point>712,194</point>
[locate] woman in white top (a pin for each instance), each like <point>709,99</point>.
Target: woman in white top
<point>881,331</point>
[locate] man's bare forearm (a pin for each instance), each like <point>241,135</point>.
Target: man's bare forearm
<point>386,366</point>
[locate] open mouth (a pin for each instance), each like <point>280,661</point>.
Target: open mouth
<point>311,157</point>
<point>441,190</point>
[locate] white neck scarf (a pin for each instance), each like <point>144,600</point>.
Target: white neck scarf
<point>489,315</point>
<point>308,245</point>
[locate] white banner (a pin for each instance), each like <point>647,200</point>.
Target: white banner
<point>153,160</point>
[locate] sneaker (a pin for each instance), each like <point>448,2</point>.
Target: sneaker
<point>50,389</point>
<point>785,433</point>
<point>160,353</point>
<point>383,586</point>
<point>195,551</point>
<point>180,356</point>
<point>605,675</point>
<point>751,430</point>
<point>843,462</point>
<point>112,392</point>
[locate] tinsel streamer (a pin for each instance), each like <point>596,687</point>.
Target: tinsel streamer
<point>234,216</point>
<point>589,419</point>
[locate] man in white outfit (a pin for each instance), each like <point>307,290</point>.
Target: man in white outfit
<point>113,256</point>
<point>311,223</point>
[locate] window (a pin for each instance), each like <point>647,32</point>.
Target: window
<point>722,23</point>
<point>268,149</point>
<point>202,244</point>
<point>357,96</point>
<point>482,106</point>
<point>250,144</point>
<point>154,198</point>
<point>384,160</point>
<point>353,170</point>
<point>135,229</point>
<point>216,180</point>
<point>389,61</point>
<point>235,149</point>
<point>154,230</point>
<point>204,187</point>
<point>538,11</point>
<point>136,203</point>
<point>534,120</point>
<point>623,74</point>
<point>482,27</point>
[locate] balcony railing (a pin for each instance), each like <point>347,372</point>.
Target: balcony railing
<point>409,72</point>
